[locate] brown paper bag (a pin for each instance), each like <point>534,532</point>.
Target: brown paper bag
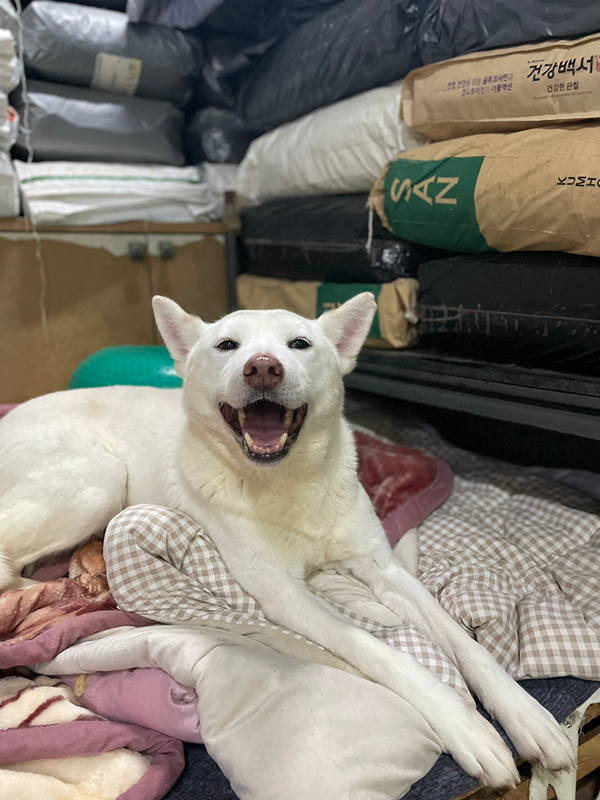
<point>531,190</point>
<point>505,90</point>
<point>395,321</point>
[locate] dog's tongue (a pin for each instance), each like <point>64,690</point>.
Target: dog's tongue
<point>264,423</point>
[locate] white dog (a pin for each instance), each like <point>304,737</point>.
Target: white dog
<point>259,454</point>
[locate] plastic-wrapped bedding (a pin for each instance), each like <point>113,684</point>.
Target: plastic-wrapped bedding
<point>9,19</point>
<point>101,49</point>
<point>453,27</point>
<point>10,72</point>
<point>351,47</point>
<point>64,193</point>
<point>68,123</point>
<point>334,150</point>
<point>10,203</point>
<point>533,309</point>
<point>9,124</point>
<point>324,238</point>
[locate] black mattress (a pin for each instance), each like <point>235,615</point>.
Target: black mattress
<point>533,309</point>
<point>324,238</point>
<point>203,780</point>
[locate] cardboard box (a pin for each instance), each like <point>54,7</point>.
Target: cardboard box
<point>96,294</point>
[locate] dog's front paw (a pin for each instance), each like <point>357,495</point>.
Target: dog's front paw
<point>478,749</point>
<point>538,736</point>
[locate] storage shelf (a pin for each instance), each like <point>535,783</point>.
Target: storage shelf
<point>551,400</point>
<point>23,224</point>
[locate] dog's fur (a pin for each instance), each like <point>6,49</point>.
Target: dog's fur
<point>69,462</point>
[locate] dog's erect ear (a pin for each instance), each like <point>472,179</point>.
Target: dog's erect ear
<point>180,331</point>
<point>347,327</point>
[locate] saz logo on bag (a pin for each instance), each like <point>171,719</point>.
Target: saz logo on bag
<point>405,188</point>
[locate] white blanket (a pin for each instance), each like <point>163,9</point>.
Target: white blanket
<point>279,727</point>
<point>79,193</point>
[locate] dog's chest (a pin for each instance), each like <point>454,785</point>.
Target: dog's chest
<point>309,529</point>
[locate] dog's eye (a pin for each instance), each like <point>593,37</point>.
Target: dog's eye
<point>228,344</point>
<point>299,344</point>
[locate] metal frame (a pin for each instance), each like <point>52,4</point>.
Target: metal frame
<point>552,401</point>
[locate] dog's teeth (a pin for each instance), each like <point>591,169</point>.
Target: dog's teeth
<point>289,416</point>
<point>283,439</point>
<point>241,416</point>
<point>249,439</point>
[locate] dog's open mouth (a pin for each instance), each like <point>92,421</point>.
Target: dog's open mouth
<point>265,430</point>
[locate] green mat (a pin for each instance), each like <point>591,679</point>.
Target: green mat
<point>127,365</point>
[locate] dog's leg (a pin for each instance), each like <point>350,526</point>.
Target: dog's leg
<point>472,741</point>
<point>407,551</point>
<point>48,511</point>
<point>532,729</point>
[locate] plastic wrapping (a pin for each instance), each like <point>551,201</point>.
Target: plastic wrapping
<point>225,62</point>
<point>255,19</point>
<point>183,14</point>
<point>67,193</point>
<point>10,203</point>
<point>334,150</point>
<point>454,27</point>
<point>325,239</point>
<point>354,46</point>
<point>217,135</point>
<point>263,19</point>
<point>8,18</point>
<point>237,34</point>
<point>68,123</point>
<point>9,124</point>
<point>93,47</point>
<point>532,309</point>
<point>113,5</point>
<point>10,69</point>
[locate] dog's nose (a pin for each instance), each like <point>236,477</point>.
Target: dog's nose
<point>263,372</point>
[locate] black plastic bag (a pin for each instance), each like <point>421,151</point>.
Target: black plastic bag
<point>354,46</point>
<point>258,20</point>
<point>236,35</point>
<point>534,309</point>
<point>182,14</point>
<point>226,60</point>
<point>453,27</point>
<point>217,135</point>
<point>324,238</point>
<point>68,123</point>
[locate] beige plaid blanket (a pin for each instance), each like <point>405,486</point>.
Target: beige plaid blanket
<point>515,559</point>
